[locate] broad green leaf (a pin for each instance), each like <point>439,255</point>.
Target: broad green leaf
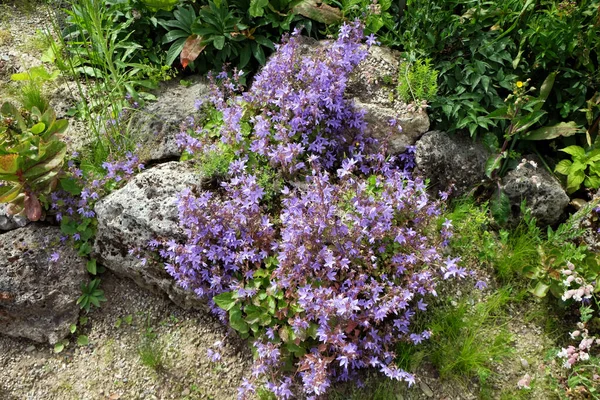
<point>540,289</point>
<point>10,193</point>
<point>545,90</point>
<point>83,340</point>
<point>70,185</point>
<point>575,151</point>
<point>500,113</point>
<point>236,321</point>
<point>574,180</point>
<point>225,300</point>
<point>563,167</point>
<point>38,128</point>
<point>592,182</point>
<point>564,129</point>
<point>91,266</point>
<point>493,163</point>
<point>58,347</point>
<point>72,328</point>
<point>219,42</point>
<point>257,7</point>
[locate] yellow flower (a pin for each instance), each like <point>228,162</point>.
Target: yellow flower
<point>519,84</point>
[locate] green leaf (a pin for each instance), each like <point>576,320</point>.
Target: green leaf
<point>72,328</point>
<point>493,163</point>
<point>226,300</point>
<point>83,340</point>
<point>500,113</point>
<point>575,151</point>
<point>500,207</point>
<point>91,266</point>
<point>70,185</point>
<point>592,182</point>
<point>58,347</point>
<point>257,7</point>
<point>563,167</point>
<point>574,180</point>
<point>540,289</point>
<point>236,321</point>
<point>563,129</point>
<point>219,42</point>
<point>545,90</point>
<point>38,128</point>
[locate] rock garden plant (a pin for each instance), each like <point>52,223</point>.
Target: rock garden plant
<point>328,274</point>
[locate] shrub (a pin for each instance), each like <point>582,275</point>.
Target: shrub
<point>417,81</point>
<point>327,277</point>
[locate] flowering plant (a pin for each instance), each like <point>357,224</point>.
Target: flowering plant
<point>328,275</point>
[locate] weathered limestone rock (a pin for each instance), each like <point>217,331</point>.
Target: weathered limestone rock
<point>156,126</point>
<point>372,87</point>
<point>451,160</point>
<point>142,210</point>
<point>37,295</point>
<point>542,192</point>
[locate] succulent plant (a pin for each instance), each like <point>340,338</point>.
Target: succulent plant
<point>31,157</point>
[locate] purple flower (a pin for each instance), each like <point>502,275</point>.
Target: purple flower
<point>54,257</point>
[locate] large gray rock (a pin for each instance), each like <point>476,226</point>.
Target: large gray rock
<point>155,127</point>
<point>451,161</point>
<point>542,192</point>
<point>37,295</point>
<point>372,88</point>
<point>143,210</point>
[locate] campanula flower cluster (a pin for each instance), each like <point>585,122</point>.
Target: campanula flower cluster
<point>330,277</point>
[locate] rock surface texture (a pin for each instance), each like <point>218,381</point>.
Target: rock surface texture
<point>542,192</point>
<point>143,210</point>
<point>37,295</point>
<point>450,160</point>
<point>10,222</point>
<point>372,87</point>
<point>156,125</point>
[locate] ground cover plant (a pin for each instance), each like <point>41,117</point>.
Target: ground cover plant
<point>329,278</point>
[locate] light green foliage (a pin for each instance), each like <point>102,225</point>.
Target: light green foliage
<point>583,168</point>
<point>214,164</point>
<point>150,349</point>
<point>156,5</point>
<point>31,92</point>
<point>467,339</point>
<point>31,157</point>
<point>417,81</point>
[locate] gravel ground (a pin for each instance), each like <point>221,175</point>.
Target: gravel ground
<point>111,366</point>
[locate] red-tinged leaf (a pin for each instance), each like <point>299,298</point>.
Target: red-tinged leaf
<point>191,50</point>
<point>33,208</point>
<point>351,325</point>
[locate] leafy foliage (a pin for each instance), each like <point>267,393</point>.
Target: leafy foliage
<point>417,81</point>
<point>585,168</point>
<point>31,158</point>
